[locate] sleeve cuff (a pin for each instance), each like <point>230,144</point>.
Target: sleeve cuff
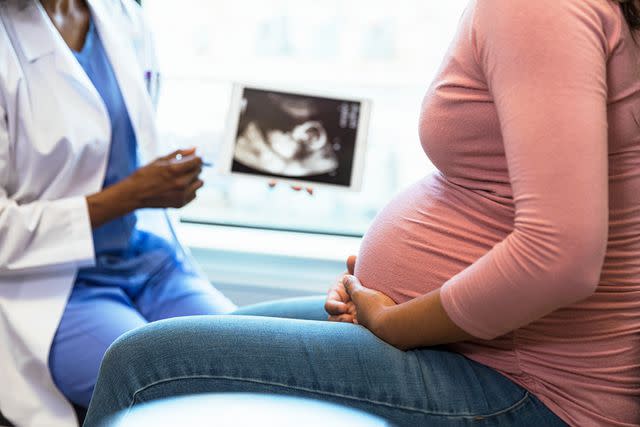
<point>457,315</point>
<point>81,232</point>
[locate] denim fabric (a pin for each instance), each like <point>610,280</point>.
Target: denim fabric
<point>335,362</point>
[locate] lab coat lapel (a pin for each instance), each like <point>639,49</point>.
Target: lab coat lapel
<point>130,77</point>
<point>38,37</point>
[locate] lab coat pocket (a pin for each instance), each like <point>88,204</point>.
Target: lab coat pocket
<point>152,83</point>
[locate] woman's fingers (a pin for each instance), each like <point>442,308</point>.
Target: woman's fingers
<point>337,300</point>
<point>343,318</point>
<point>334,307</point>
<point>353,287</point>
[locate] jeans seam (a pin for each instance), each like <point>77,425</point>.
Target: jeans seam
<point>326,393</point>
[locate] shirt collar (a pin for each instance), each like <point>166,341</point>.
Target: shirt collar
<point>33,28</point>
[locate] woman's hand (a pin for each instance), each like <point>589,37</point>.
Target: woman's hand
<point>370,306</point>
<point>169,182</point>
<point>420,322</point>
<point>338,304</point>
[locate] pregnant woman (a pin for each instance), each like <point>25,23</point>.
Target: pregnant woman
<point>502,290</point>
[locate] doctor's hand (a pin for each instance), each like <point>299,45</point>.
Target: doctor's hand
<point>339,305</point>
<point>169,182</point>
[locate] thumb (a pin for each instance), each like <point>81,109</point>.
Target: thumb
<point>352,286</point>
<point>351,264</point>
<point>185,152</point>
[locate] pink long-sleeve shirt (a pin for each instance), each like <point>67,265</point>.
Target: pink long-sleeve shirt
<point>531,225</point>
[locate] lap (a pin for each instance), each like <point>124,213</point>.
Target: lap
<point>93,319</point>
<point>98,313</point>
<point>337,362</point>
<point>177,290</point>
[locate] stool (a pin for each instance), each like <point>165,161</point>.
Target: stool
<point>242,409</point>
<point>81,413</point>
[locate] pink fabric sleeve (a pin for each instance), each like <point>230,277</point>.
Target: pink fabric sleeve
<point>545,66</point>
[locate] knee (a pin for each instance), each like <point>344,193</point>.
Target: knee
<point>150,348</point>
<point>126,352</point>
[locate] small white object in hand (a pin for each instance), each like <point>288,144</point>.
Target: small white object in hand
<point>178,157</point>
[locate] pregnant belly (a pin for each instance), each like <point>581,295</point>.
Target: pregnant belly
<point>426,235</point>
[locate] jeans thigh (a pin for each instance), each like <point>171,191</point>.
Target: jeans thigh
<point>306,308</point>
<point>335,362</point>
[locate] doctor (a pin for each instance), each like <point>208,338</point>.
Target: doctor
<point>77,267</point>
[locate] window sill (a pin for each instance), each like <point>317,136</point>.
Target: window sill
<point>255,265</point>
<point>268,242</point>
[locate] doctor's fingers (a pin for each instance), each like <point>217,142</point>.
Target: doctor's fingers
<point>196,185</point>
<point>193,189</point>
<point>178,154</point>
<point>191,193</point>
<point>184,182</point>
<point>185,165</point>
<point>178,198</point>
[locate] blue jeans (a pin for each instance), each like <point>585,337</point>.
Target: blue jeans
<point>335,362</point>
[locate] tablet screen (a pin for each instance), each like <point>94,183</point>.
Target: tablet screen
<point>298,138</point>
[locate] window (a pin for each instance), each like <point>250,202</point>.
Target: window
<point>387,51</point>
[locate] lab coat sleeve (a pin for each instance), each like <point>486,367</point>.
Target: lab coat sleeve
<point>43,235</point>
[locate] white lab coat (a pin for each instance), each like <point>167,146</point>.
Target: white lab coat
<point>54,145</point>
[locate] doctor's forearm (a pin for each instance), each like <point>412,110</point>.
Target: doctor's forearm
<point>168,182</point>
<point>111,203</point>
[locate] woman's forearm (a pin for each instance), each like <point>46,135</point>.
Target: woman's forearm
<point>421,322</point>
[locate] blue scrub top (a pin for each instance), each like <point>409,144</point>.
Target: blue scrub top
<point>121,249</point>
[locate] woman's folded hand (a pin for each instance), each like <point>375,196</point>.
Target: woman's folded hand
<point>370,306</point>
<point>349,301</point>
<point>339,305</point>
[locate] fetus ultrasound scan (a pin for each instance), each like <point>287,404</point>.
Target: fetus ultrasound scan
<point>296,137</point>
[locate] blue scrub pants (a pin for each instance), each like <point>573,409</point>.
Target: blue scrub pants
<point>335,362</point>
<point>117,298</point>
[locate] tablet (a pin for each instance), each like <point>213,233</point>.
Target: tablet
<point>298,138</point>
